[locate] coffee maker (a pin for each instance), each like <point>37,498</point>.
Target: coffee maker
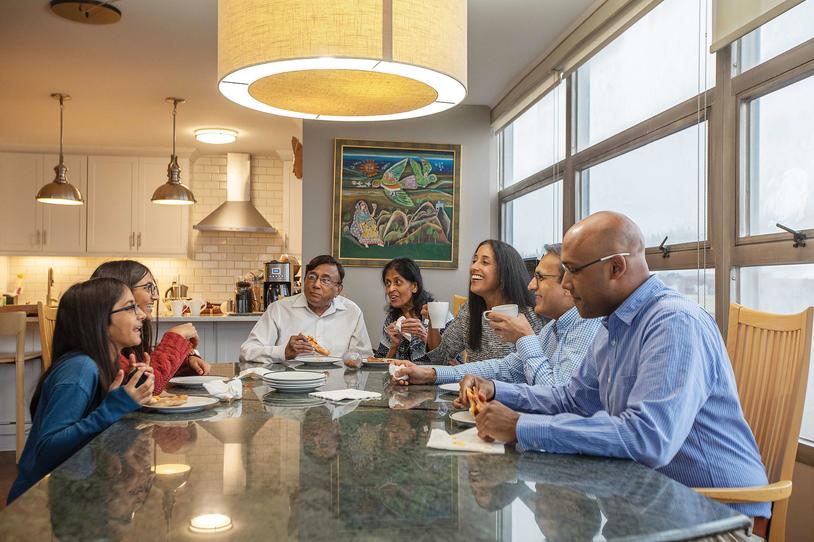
<point>278,282</point>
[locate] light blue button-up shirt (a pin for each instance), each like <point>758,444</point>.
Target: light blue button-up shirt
<point>548,359</point>
<point>657,387</point>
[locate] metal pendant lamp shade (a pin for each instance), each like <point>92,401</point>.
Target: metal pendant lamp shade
<point>344,61</point>
<point>173,192</point>
<point>60,191</point>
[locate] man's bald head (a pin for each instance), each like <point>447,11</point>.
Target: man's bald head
<point>606,253</point>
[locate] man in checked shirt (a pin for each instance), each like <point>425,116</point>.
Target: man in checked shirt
<point>547,359</point>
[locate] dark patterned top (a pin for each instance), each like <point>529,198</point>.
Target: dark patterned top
<point>454,340</point>
<point>413,349</point>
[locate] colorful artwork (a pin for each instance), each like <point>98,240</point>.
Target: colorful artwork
<point>396,199</point>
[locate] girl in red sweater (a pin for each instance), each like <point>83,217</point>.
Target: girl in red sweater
<point>176,350</point>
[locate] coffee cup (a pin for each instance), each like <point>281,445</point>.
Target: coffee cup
<point>438,313</point>
<point>178,307</point>
<point>509,310</point>
<point>195,306</point>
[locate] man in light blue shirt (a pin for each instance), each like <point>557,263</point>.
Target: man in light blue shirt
<point>657,386</point>
<point>550,358</point>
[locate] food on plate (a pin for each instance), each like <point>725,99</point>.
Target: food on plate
<point>475,401</point>
<point>374,359</point>
<point>168,400</point>
<point>318,348</point>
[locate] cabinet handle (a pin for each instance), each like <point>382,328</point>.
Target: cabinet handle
<point>39,237</point>
<point>132,236</point>
<point>44,237</point>
<point>138,243</point>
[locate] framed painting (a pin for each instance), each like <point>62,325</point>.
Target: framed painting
<point>396,199</point>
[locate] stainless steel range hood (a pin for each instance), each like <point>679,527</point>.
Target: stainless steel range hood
<point>237,213</point>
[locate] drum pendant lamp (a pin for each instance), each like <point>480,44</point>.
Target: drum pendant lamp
<point>173,192</point>
<point>343,60</point>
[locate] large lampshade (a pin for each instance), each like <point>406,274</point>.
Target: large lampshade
<point>343,60</point>
<point>60,191</point>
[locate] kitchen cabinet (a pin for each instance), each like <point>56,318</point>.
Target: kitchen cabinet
<point>121,217</point>
<point>219,337</point>
<point>29,227</point>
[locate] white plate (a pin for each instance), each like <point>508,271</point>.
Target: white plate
<point>453,387</point>
<point>296,384</point>
<point>293,376</point>
<point>302,389</point>
<point>318,360</point>
<point>195,381</point>
<point>380,364</point>
<point>194,404</point>
<point>463,417</point>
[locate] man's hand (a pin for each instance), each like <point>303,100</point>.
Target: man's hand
<point>485,387</point>
<point>496,421</point>
<point>198,365</point>
<point>417,374</point>
<point>510,329</point>
<point>297,344</point>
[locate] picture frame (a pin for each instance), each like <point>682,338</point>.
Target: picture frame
<point>394,199</point>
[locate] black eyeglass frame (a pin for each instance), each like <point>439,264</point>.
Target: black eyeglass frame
<point>132,307</point>
<point>568,268</point>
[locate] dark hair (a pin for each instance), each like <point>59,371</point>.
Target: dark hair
<point>131,273</point>
<point>82,326</point>
<point>513,280</point>
<point>407,268</point>
<point>322,259</point>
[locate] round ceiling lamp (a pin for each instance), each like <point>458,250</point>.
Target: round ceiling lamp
<point>87,11</point>
<point>60,191</point>
<point>343,61</point>
<point>173,192</point>
<point>216,136</point>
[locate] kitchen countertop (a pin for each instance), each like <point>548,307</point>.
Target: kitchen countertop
<point>215,319</point>
<point>289,464</point>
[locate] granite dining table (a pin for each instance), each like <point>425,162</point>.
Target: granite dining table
<point>275,466</point>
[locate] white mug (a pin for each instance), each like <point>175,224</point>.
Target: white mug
<point>178,307</point>
<point>438,313</point>
<point>195,306</point>
<point>509,310</point>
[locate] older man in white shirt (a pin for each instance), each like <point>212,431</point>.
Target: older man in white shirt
<point>319,311</point>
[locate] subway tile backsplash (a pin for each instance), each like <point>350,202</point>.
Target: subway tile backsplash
<point>215,259</point>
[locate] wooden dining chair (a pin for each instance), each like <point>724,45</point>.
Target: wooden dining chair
<point>13,324</point>
<point>770,355</point>
<point>47,317</point>
<point>457,302</point>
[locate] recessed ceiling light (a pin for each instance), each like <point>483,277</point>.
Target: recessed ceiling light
<point>216,136</point>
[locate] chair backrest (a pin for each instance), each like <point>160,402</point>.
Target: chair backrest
<point>48,318</point>
<point>13,324</point>
<point>457,301</point>
<point>770,356</point>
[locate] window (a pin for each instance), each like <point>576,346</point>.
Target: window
<point>657,63</point>
<point>782,289</point>
<point>777,36</point>
<point>697,284</point>
<point>661,187</point>
<point>536,139</point>
<point>778,185</point>
<point>534,219</point>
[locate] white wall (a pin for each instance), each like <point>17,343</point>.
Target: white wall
<point>464,125</point>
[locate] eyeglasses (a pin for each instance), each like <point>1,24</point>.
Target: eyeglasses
<point>131,307</point>
<point>574,269</point>
<point>540,277</point>
<point>149,287</point>
<point>325,281</point>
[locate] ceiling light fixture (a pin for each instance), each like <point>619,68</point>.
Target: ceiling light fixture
<point>216,136</point>
<point>87,11</point>
<point>60,191</point>
<point>343,61</point>
<point>173,192</point>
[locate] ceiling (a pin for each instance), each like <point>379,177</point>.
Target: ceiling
<point>119,75</point>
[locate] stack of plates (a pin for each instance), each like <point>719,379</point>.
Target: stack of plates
<point>295,381</point>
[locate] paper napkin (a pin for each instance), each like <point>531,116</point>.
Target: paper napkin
<point>465,441</point>
<point>349,393</point>
<point>225,391</point>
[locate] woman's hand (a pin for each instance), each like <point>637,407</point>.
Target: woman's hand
<point>198,365</point>
<point>140,394</point>
<point>414,327</point>
<point>393,333</point>
<point>187,331</point>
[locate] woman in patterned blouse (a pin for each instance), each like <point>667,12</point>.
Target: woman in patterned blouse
<point>405,293</point>
<point>497,276</point>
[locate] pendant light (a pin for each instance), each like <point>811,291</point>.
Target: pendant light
<point>343,61</point>
<point>173,192</point>
<point>60,191</point>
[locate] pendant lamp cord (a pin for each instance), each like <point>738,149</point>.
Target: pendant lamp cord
<point>61,100</point>
<point>174,107</point>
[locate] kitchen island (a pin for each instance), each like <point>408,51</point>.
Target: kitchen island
<point>220,336</point>
<point>290,466</point>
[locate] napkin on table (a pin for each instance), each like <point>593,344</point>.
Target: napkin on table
<point>465,441</point>
<point>349,393</point>
<point>225,391</point>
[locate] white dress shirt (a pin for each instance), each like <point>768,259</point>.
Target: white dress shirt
<point>341,328</point>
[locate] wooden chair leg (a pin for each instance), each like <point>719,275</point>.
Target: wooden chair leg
<point>777,524</point>
<point>20,419</point>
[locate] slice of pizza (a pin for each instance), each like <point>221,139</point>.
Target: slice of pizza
<point>168,400</point>
<point>318,348</point>
<point>474,401</point>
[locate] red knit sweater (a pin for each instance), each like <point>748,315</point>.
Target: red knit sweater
<point>166,359</point>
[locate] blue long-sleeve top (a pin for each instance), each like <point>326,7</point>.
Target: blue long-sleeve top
<point>656,387</point>
<point>64,421</point>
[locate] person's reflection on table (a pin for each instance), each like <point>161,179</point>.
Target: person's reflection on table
<point>564,513</point>
<point>404,398</point>
<point>494,483</point>
<point>398,432</point>
<point>175,438</point>
<point>320,435</point>
<point>106,486</point>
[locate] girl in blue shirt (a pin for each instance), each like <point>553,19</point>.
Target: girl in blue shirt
<point>81,394</point>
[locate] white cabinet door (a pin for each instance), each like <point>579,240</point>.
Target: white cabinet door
<point>230,336</point>
<point>63,226</point>
<point>20,176</point>
<point>162,229</point>
<point>112,182</point>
